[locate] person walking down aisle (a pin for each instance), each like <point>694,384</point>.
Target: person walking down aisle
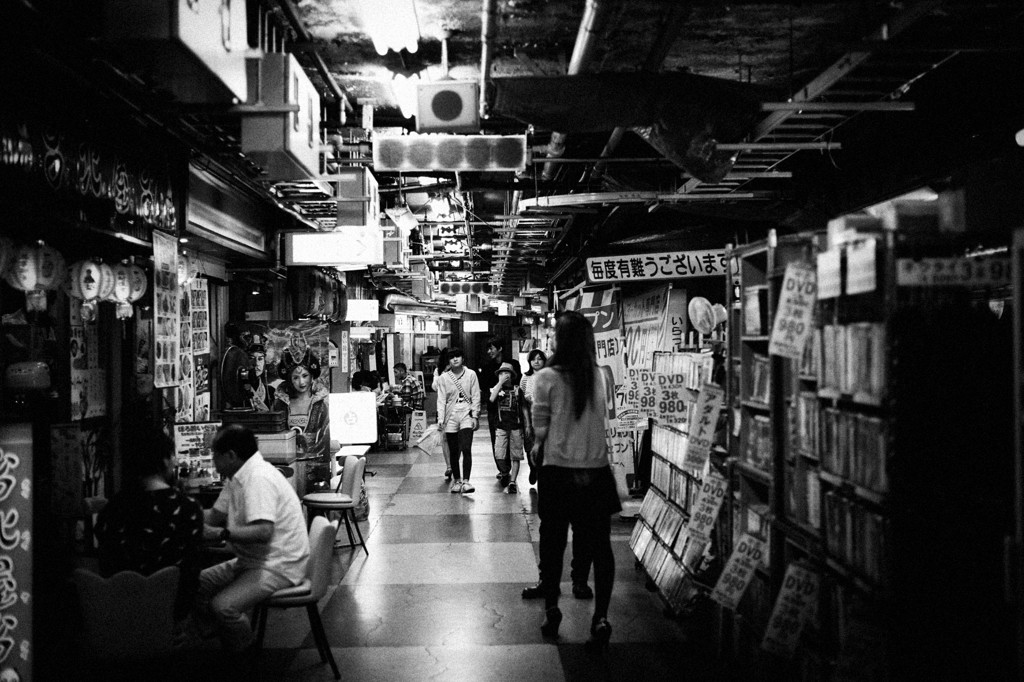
<point>458,409</point>
<point>536,361</point>
<point>509,430</point>
<point>259,515</point>
<point>575,484</point>
<point>442,365</point>
<point>496,356</point>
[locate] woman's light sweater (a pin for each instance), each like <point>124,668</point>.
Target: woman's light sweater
<point>570,442</point>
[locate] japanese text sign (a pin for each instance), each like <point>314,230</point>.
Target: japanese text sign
<point>702,426</point>
<point>795,605</point>
<point>641,391</point>
<point>654,266</point>
<point>705,509</point>
<point>16,551</point>
<point>962,272</point>
<point>793,323</point>
<point>673,399</point>
<point>739,571</point>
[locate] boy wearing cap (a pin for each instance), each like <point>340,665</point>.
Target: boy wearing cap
<point>507,400</point>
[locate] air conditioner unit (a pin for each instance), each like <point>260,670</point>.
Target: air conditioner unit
<point>285,143</point>
<point>452,288</point>
<point>196,50</point>
<point>448,107</point>
<point>450,153</point>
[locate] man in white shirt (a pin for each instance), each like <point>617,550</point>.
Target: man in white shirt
<point>259,515</point>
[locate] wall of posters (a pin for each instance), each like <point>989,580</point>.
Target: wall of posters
<point>16,551</point>
<point>166,307</point>
<point>185,401</point>
<point>88,379</point>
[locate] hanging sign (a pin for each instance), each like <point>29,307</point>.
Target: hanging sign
<point>793,317</point>
<point>829,277</point>
<point>861,274</point>
<point>703,421</point>
<point>953,272</point>
<point>705,510</point>
<point>739,571</point>
<point>644,323</point>
<point>165,305</point>
<point>674,340</point>
<point>796,604</point>
<point>654,266</point>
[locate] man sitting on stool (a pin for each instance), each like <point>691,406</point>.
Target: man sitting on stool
<point>260,516</point>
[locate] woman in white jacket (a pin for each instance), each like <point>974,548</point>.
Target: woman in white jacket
<point>458,411</point>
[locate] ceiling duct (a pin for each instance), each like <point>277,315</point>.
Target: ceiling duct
<point>679,114</point>
<point>450,153</point>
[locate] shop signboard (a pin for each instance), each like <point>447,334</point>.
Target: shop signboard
<point>794,607</point>
<point>739,571</point>
<point>703,420</point>
<point>793,318</point>
<point>16,552</point>
<point>656,266</point>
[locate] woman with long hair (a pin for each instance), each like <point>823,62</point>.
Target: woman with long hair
<point>303,399</point>
<point>575,484</point>
<point>535,361</point>
<point>458,413</point>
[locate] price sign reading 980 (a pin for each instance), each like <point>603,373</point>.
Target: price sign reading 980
<point>705,510</point>
<point>739,571</point>
<point>642,392</point>
<point>674,399</point>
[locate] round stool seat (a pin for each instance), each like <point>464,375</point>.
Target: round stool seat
<point>338,500</point>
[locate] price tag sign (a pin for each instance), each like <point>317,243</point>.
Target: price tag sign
<point>642,392</point>
<point>673,399</point>
<point>739,571</point>
<point>952,272</point>
<point>702,426</point>
<point>829,278</point>
<point>792,326</point>
<point>705,509</point>
<point>860,267</point>
<point>796,604</point>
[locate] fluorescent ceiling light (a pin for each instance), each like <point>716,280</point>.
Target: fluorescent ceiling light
<point>391,24</point>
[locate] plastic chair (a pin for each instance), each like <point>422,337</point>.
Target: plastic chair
<point>309,592</point>
<point>128,617</point>
<point>343,499</point>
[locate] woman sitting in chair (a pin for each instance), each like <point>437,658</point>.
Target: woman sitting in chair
<point>150,524</point>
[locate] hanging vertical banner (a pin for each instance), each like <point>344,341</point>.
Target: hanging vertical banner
<point>796,604</point>
<point>165,306</point>
<point>705,510</point>
<point>186,382</point>
<point>739,571</point>
<point>645,325</point>
<point>703,421</point>
<point>793,318</point>
<point>16,551</point>
<point>199,295</point>
<point>674,340</point>
<point>88,379</point>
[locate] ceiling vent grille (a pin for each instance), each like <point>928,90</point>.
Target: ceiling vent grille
<point>450,153</point>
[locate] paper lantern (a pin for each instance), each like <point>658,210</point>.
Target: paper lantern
<point>138,282</point>
<point>120,295</point>
<point>36,269</point>
<point>90,281</point>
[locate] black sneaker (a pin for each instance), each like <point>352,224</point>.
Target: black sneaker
<point>513,489</point>
<point>533,476</point>
<point>582,591</point>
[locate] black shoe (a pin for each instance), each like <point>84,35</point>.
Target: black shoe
<point>504,480</point>
<point>536,591</point>
<point>553,618</point>
<point>533,476</point>
<point>600,633</point>
<point>582,591</point>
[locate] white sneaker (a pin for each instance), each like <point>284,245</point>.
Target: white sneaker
<point>456,487</point>
<point>467,487</point>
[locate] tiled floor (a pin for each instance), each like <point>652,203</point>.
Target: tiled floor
<point>438,597</point>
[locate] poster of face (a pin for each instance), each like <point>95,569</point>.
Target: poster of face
<point>289,341</point>
<point>167,334</point>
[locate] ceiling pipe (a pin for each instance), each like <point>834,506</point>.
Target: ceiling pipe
<point>290,13</point>
<point>582,54</point>
<point>659,51</point>
<point>488,32</point>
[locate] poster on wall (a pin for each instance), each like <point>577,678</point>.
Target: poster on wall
<point>88,379</point>
<point>186,396</point>
<point>82,453</point>
<point>16,551</point>
<point>199,302</point>
<point>645,324</point>
<point>165,305</point>
<point>192,446</point>
<point>201,378</point>
<point>600,305</point>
